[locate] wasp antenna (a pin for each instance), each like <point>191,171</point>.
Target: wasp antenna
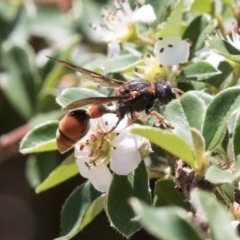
<point>49,57</point>
<point>179,91</point>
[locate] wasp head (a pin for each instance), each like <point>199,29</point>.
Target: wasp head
<point>164,92</point>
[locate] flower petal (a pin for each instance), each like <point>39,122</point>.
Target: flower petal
<point>127,141</point>
<point>78,152</point>
<point>100,177</point>
<point>83,169</point>
<point>123,163</point>
<point>144,14</point>
<point>171,51</point>
<point>113,49</point>
<point>108,121</point>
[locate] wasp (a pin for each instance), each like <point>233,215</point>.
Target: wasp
<point>131,98</point>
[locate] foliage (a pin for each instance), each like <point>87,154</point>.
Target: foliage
<point>195,166</point>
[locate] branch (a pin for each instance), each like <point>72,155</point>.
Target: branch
<point>9,142</point>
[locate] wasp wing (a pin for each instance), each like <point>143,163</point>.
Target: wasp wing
<point>92,76</point>
<point>95,101</point>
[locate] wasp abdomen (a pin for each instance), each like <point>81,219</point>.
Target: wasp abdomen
<point>72,128</point>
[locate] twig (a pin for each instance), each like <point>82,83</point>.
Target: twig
<point>9,142</point>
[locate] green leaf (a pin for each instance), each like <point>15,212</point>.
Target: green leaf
<point>228,2</point>
<point>236,172</point>
<point>199,146</point>
<point>19,78</point>
<point>82,206</point>
<point>186,112</point>
<point>175,114</point>
<point>46,100</point>
<point>15,93</point>
<point>197,30</point>
<point>226,69</point>
<point>218,113</point>
<point>202,6</point>
<point>67,169</point>
<point>135,184</point>
<point>225,49</point>
<point>194,106</point>
<point>223,147</point>
<point>168,223</point>
<point>9,16</point>
<point>168,141</point>
<point>106,65</point>
<point>70,95</point>
<point>40,139</point>
<point>95,208</point>
<point>172,26</point>
<point>236,136</point>
<point>216,213</point>
<point>39,166</point>
<point>120,63</point>
<point>91,61</point>
<point>216,175</point>
<point>165,194</point>
<point>198,71</point>
<point>227,192</point>
<point>8,10</point>
<point>205,97</point>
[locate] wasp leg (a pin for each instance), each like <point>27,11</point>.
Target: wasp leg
<point>134,94</point>
<point>138,93</point>
<point>161,118</point>
<point>157,115</point>
<point>137,115</point>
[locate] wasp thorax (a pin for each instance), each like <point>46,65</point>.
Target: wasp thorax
<point>164,92</point>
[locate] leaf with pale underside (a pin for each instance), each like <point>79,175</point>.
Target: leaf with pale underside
<point>40,139</point>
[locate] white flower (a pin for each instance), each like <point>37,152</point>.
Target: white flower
<point>151,70</point>
<point>213,57</point>
<point>209,56</point>
<point>234,40</point>
<point>120,151</point>
<point>171,51</point>
<point>119,26</point>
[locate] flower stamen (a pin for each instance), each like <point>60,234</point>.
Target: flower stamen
<point>91,152</point>
<point>93,137</point>
<point>81,147</point>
